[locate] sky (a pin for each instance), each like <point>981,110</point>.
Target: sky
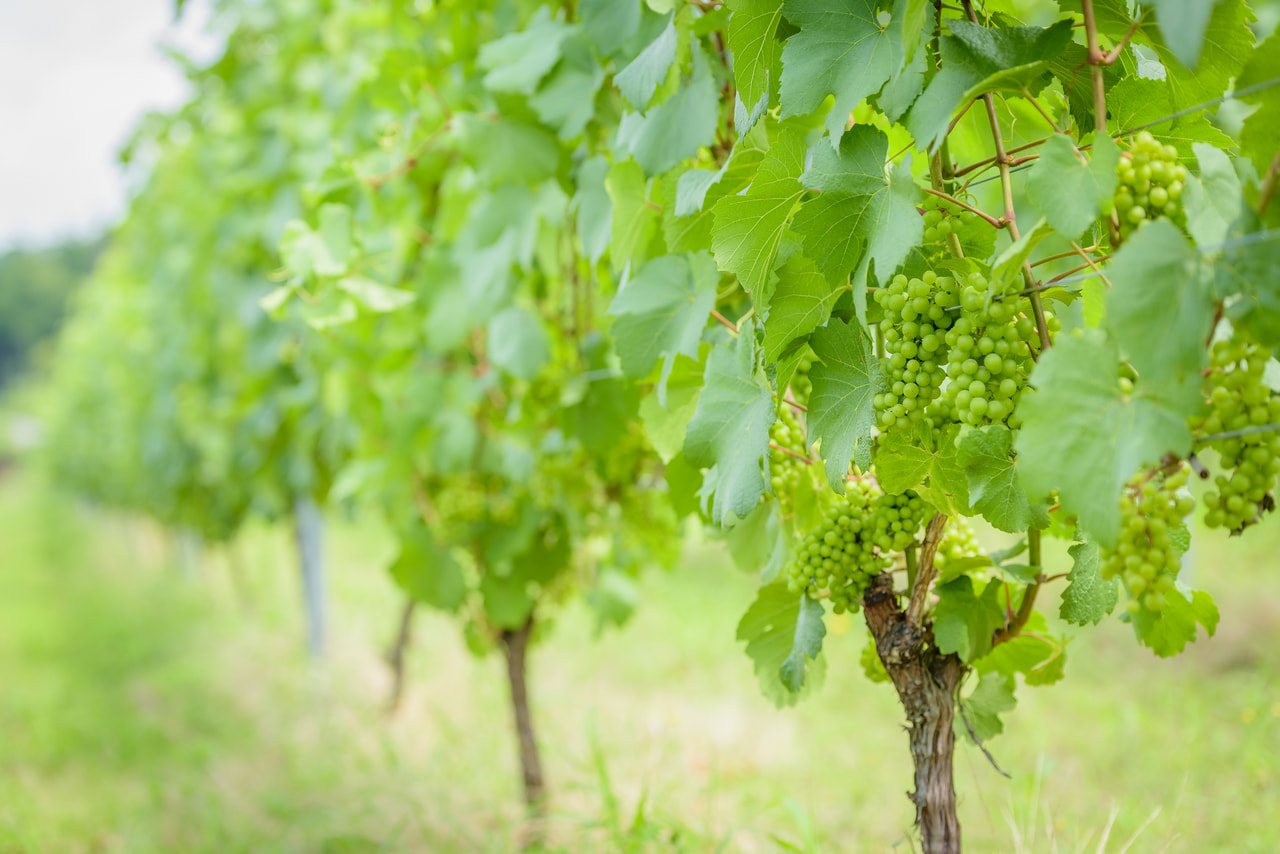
<point>75,78</point>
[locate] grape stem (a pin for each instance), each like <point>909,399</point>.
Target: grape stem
<point>992,221</point>
<point>1028,604</point>
<point>801,457</point>
<point>732,327</point>
<point>1232,434</point>
<point>925,569</point>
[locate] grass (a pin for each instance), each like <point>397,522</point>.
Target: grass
<point>141,711</point>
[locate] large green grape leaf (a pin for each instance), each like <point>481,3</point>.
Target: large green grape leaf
<point>1088,596</point>
<point>964,621</point>
<point>1260,138</point>
<point>677,128</point>
<point>1183,24</point>
<point>749,226</point>
<point>924,460</point>
<point>729,431</point>
<point>841,415</point>
<point>518,343</point>
<point>760,543</point>
<point>609,23</point>
<point>661,312</point>
<point>860,216</point>
<point>983,707</point>
<point>1035,653</point>
<point>1084,436</point>
<point>1168,632</point>
<point>801,302</point>
<point>1214,199</point>
<point>517,62</point>
<point>755,53</point>
<point>634,221</point>
<point>1071,191</point>
<point>427,572</point>
<point>986,455</point>
<point>784,630</point>
<point>1136,102</point>
<point>505,149</point>
<point>976,60</point>
<point>566,100</point>
<point>1160,306</point>
<point>1247,270</point>
<point>593,208</point>
<point>841,50</point>
<point>640,79</point>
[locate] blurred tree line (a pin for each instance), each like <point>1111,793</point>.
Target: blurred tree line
<point>35,289</point>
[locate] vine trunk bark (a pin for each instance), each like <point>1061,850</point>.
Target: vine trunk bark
<point>515,646</point>
<point>396,655</point>
<point>926,682</point>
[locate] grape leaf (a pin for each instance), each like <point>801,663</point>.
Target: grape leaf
<point>759,543</point>
<point>841,50</point>
<point>567,100</point>
<point>676,129</point>
<point>1160,307</point>
<point>986,455</point>
<point>426,571</point>
<point>1182,25</point>
<point>1135,103</point>
<point>634,221</point>
<point>729,431</point>
<point>1260,138</point>
<point>518,343</point>
<point>924,460</point>
<point>639,80</point>
<point>983,707</point>
<point>976,60</point>
<point>770,629</point>
<point>1088,596</point>
<point>517,62</point>
<point>375,296</point>
<point>801,302</point>
<point>609,23</point>
<point>964,622</point>
<point>841,416</point>
<point>1168,631</point>
<point>661,312</point>
<point>594,208</point>
<point>1035,653</point>
<point>1247,269</point>
<point>1070,191</point>
<point>748,226</point>
<point>755,53</point>
<point>1214,199</point>
<point>860,215</point>
<point>1079,414</point>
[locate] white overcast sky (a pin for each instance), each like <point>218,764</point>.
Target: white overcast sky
<point>75,77</point>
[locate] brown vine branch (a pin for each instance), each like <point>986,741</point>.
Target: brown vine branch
<point>732,327</point>
<point>1096,58</point>
<point>925,570</point>
<point>992,221</point>
<point>1028,604</point>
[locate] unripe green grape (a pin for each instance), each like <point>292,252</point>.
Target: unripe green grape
<point>1143,561</point>
<point>913,330</point>
<point>786,469</point>
<point>1150,184</point>
<point>1237,397</point>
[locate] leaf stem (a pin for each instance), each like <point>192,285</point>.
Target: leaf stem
<point>733,327</point>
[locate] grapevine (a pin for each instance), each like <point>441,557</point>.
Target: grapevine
<point>1150,185</point>
<point>1145,558</point>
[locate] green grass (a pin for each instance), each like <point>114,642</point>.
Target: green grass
<point>143,712</point>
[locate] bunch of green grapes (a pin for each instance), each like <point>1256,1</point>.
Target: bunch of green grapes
<point>914,328</point>
<point>942,219</point>
<point>1150,187</point>
<point>855,541</point>
<point>958,543</point>
<point>1144,558</point>
<point>1238,400</point>
<point>801,385</point>
<point>990,353</point>
<point>460,501</point>
<point>786,469</point>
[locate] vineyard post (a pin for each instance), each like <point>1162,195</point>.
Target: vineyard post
<point>309,536</point>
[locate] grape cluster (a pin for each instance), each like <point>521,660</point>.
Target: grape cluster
<point>942,219</point>
<point>916,320</point>
<point>990,354</point>
<point>1150,187</point>
<point>854,542</point>
<point>786,469</point>
<point>801,385</point>
<point>1239,399</point>
<point>1145,559</point>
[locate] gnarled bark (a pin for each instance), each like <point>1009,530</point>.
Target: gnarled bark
<point>926,682</point>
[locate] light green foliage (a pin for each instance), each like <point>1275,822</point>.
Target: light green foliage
<point>986,455</point>
<point>1088,597</point>
<point>662,311</point>
<point>784,630</point>
<point>1071,188</point>
<point>840,412</point>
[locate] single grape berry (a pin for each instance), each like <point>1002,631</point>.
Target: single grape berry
<point>1150,186</point>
